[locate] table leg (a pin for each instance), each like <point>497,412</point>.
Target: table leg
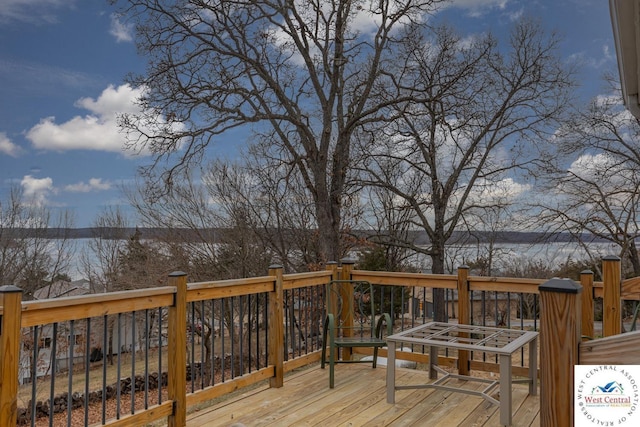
<point>505,390</point>
<point>391,372</point>
<point>433,361</point>
<point>533,367</point>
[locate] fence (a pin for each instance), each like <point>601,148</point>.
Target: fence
<point>130,358</point>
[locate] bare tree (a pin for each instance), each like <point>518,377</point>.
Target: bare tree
<point>390,223</point>
<point>30,255</point>
<point>479,111</point>
<point>304,75</point>
<point>598,194</point>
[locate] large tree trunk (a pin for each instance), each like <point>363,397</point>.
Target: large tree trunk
<point>633,257</point>
<point>328,234</point>
<point>437,267</point>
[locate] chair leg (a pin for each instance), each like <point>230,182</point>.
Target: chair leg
<point>375,356</point>
<point>324,351</point>
<point>327,323</point>
<point>331,367</point>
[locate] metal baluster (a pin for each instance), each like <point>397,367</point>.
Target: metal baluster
<point>54,347</point>
<point>132,354</point>
<point>87,365</point>
<point>257,305</point>
<point>483,309</point>
<point>34,374</point>
<point>146,358</point>
<point>249,320</point>
<point>233,337</point>
<point>521,304</point>
<point>105,349</point>
<point>118,391</point>
<point>160,376</point>
<point>192,335</point>
<point>202,349</point>
<point>241,333</point>
<point>266,339</point>
<point>222,360</point>
<point>71,343</point>
<point>213,341</point>
<point>286,325</point>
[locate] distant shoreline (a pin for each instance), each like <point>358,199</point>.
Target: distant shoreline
<point>213,235</point>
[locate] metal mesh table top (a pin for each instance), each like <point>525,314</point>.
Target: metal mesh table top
<point>465,337</point>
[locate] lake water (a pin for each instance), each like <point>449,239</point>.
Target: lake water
<point>504,254</point>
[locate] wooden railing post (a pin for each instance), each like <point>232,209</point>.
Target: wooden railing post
<point>586,280</point>
<point>464,315</point>
<point>177,351</point>
<point>276,327</point>
<point>10,322</point>
<point>611,303</point>
<point>346,294</point>
<point>560,335</point>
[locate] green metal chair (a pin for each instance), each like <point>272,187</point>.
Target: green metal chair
<point>351,322</point>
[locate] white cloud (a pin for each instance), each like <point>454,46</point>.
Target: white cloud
<point>516,15</point>
<point>32,11</point>
<point>94,184</point>
<point>121,31</point>
<point>36,190</point>
<point>7,147</point>
<point>479,7</point>
<point>97,130</point>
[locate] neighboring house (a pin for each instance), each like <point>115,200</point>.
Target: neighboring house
<point>69,345</point>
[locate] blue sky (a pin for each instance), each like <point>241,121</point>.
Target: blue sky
<point>62,65</point>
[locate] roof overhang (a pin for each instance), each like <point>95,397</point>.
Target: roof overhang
<point>625,20</point>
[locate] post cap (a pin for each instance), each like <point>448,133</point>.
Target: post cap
<point>8,289</point>
<point>177,274</point>
<point>556,284</point>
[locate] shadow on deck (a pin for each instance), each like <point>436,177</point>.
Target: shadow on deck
<point>359,399</point>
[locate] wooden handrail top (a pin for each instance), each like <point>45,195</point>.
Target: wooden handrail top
<point>300,280</point>
<point>215,290</point>
<point>230,282</point>
<point>619,349</point>
<point>505,284</point>
<point>442,281</point>
<point>96,298</point>
<point>74,308</point>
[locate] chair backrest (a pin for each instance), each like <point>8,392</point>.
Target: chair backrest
<point>353,305</point>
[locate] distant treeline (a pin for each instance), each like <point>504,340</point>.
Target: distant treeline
<point>215,235</point>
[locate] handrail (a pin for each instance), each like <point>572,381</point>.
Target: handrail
<point>35,313</point>
<point>614,350</point>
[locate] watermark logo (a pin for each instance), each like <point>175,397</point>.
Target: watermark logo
<point>607,395</point>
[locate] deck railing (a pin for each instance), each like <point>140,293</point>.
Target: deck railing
<point>138,356</point>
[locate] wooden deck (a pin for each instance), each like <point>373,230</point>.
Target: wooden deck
<point>359,399</point>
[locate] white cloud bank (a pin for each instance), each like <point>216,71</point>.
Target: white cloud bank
<point>121,31</point>
<point>97,130</point>
<point>94,184</point>
<point>37,190</point>
<point>478,8</point>
<point>7,147</point>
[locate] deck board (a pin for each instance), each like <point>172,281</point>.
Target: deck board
<point>359,399</point>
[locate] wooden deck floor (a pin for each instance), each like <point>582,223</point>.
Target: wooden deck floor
<point>359,399</point>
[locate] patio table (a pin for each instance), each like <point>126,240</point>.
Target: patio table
<point>503,342</point>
